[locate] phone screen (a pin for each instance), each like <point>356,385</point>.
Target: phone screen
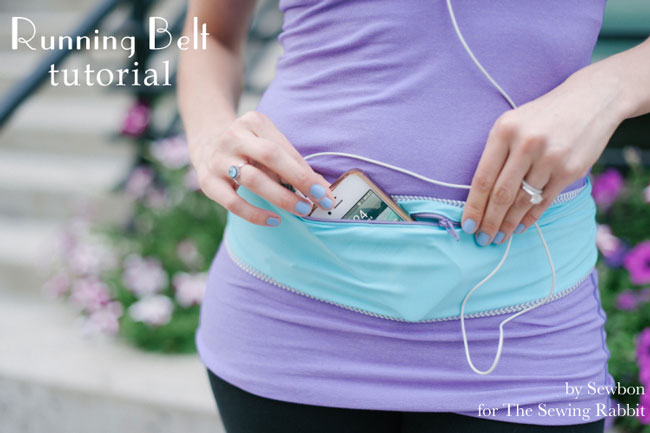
<point>371,207</point>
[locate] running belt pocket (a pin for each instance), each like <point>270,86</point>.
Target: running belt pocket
<point>414,271</point>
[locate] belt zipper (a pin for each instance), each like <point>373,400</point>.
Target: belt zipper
<point>442,221</point>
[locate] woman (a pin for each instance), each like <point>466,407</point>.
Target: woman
<point>392,81</point>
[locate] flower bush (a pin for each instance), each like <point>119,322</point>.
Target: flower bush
<point>623,239</point>
<point>144,280</point>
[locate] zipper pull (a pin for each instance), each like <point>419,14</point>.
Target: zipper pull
<point>449,226</point>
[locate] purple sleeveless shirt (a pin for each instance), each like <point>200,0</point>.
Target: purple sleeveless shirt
<point>391,81</point>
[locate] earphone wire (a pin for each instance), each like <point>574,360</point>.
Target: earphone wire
<point>539,231</point>
<point>453,185</point>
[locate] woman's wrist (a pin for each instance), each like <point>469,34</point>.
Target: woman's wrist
<point>616,100</point>
<point>203,137</point>
<point>627,76</point>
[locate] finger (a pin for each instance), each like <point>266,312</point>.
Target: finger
<point>489,166</point>
<point>274,156</point>
<point>263,127</point>
<point>554,187</point>
<point>221,192</point>
<point>537,177</point>
<point>502,196</point>
<point>261,184</point>
<point>260,125</point>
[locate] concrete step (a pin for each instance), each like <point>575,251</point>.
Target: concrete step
<point>54,379</point>
<point>28,250</point>
<point>108,145</point>
<point>25,245</point>
<point>50,185</point>
<point>69,113</point>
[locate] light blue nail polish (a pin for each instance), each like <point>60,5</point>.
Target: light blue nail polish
<point>326,203</point>
<point>272,221</point>
<point>317,190</point>
<point>303,207</point>
<point>520,228</point>
<point>482,238</point>
<point>499,237</point>
<point>469,225</point>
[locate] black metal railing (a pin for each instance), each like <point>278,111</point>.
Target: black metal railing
<point>26,87</point>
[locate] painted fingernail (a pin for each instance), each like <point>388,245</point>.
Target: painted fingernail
<point>303,207</point>
<point>499,237</point>
<point>317,190</point>
<point>272,221</point>
<point>469,225</point>
<point>482,238</point>
<point>326,203</point>
<point>520,228</point>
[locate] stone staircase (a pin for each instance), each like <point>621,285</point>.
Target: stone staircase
<point>58,153</point>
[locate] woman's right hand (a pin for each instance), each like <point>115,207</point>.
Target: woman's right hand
<point>255,139</point>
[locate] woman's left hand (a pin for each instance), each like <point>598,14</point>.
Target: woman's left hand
<point>549,142</point>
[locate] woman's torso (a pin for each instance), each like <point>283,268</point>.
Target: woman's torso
<point>390,80</point>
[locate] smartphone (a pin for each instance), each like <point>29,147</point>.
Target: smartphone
<point>359,198</point>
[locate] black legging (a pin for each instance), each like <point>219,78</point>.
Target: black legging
<point>243,412</point>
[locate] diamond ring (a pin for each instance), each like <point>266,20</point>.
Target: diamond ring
<point>535,194</point>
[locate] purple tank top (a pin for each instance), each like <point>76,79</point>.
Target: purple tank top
<point>390,80</point>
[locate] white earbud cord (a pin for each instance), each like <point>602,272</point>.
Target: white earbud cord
<point>539,231</point>
<point>453,185</point>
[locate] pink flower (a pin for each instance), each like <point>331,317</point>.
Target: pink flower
<point>607,186</point>
<point>155,310</point>
<point>104,320</point>
<point>192,180</point>
<point>189,253</point>
<point>643,348</point>
<point>139,181</point>
<point>156,198</point>
<point>144,276</point>
<point>189,288</point>
<point>137,120</point>
<point>71,234</point>
<point>637,262</point>
<point>627,300</point>
<point>171,152</point>
<point>643,359</point>
<point>89,294</point>
<point>90,257</point>
<point>644,408</point>
<point>57,285</point>
<point>606,242</point>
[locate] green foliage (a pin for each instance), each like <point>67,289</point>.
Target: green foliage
<point>177,336</point>
<point>168,243</point>
<point>629,220</point>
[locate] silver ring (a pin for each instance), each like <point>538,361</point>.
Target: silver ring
<point>235,170</point>
<point>535,194</point>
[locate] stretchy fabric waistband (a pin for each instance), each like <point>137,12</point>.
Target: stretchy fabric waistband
<point>418,271</point>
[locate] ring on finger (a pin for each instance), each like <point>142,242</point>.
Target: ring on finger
<point>535,193</point>
<point>234,171</point>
